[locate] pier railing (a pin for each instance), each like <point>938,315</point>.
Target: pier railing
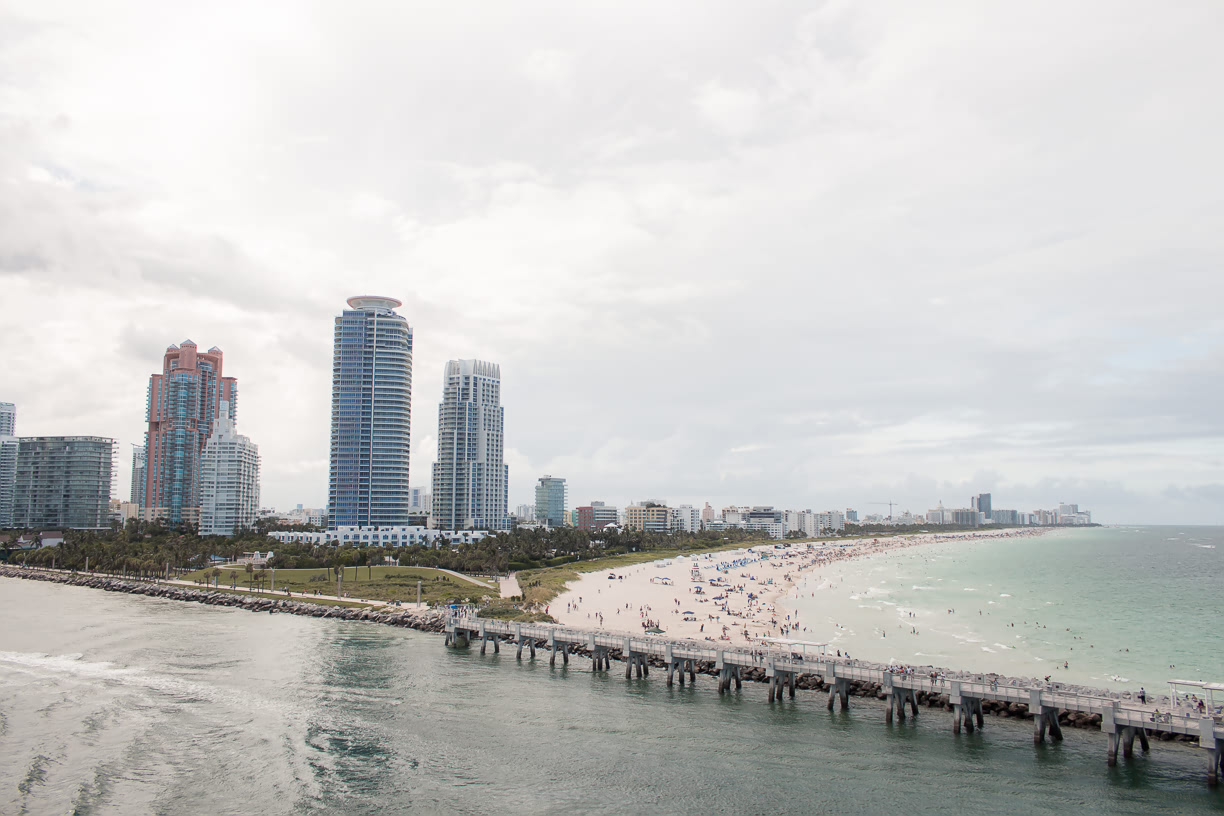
<point>1121,720</point>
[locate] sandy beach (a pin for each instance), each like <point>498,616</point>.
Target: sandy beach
<point>736,596</point>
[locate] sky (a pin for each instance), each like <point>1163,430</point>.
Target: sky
<point>801,254</point>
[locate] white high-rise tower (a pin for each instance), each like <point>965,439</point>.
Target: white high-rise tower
<point>470,478</point>
<point>229,480</point>
<point>8,462</point>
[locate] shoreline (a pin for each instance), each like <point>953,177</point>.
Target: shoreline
<point>434,622</point>
<point>748,605</point>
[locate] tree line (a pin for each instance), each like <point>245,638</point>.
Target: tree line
<point>141,548</point>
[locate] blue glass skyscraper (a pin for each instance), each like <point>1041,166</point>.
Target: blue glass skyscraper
<point>371,415</point>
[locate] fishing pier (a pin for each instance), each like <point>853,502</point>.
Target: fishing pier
<point>1122,721</point>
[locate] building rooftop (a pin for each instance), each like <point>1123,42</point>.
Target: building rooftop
<point>373,303</point>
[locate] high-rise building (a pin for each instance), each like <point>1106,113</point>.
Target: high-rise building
<point>470,478</point>
<point>981,503</point>
<point>9,446</point>
<point>229,480</point>
<point>8,462</point>
<point>371,415</point>
<point>551,500</point>
<point>184,401</point>
<point>64,481</point>
<point>419,501</point>
<point>138,475</point>
<point>8,419</point>
<point>525,512</point>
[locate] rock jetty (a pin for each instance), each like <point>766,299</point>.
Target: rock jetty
<point>429,620</point>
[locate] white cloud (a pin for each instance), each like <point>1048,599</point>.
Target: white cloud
<point>907,255</point>
<point>550,68</point>
<point>736,111</point>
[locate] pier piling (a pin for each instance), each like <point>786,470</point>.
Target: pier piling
<point>1121,720</point>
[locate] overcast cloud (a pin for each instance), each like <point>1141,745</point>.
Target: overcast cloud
<point>808,255</point>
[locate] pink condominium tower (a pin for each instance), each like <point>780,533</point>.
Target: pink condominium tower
<point>184,401</point>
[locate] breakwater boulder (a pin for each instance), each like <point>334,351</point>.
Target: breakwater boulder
<point>429,620</point>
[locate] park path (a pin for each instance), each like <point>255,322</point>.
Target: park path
<point>510,586</point>
<point>463,577</point>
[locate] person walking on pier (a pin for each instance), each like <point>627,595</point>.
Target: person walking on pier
<point>1142,695</point>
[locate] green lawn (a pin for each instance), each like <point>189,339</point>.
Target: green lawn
<point>375,583</point>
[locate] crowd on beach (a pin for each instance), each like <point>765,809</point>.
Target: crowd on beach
<point>741,593</point>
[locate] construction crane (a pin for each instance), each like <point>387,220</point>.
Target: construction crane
<point>890,507</point>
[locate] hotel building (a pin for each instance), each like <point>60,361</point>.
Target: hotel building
<point>63,481</point>
<point>470,478</point>
<point>184,401</point>
<point>229,481</point>
<point>371,415</point>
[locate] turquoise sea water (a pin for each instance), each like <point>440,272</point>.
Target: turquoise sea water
<point>112,703</point>
<point>1119,607</point>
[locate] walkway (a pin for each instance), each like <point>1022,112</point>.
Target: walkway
<point>1121,720</point>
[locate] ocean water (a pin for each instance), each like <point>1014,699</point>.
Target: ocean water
<point>112,703</point>
<point>1118,607</point>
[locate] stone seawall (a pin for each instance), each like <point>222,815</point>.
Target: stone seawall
<point>430,620</point>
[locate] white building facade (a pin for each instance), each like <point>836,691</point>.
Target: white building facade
<point>229,480</point>
<point>8,462</point>
<point>470,477</point>
<point>686,518</point>
<point>401,536</point>
<point>833,521</point>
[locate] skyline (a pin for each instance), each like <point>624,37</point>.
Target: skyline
<point>791,257</point>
